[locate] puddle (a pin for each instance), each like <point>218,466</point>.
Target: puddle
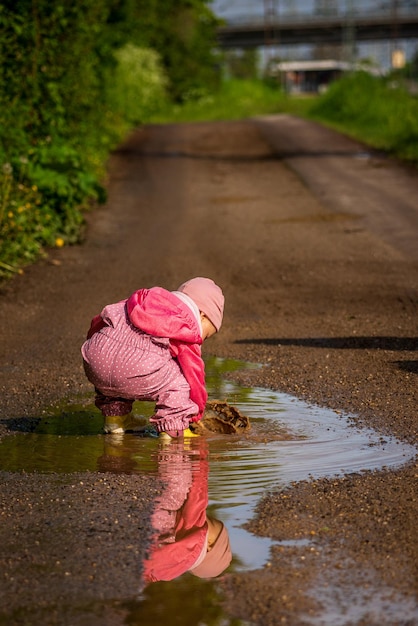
<point>289,441</point>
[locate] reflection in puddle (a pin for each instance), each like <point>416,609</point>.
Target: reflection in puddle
<point>186,538</point>
<point>289,441</point>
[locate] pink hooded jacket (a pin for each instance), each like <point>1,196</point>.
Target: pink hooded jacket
<point>160,313</point>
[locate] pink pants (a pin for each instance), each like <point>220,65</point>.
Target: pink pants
<point>124,364</point>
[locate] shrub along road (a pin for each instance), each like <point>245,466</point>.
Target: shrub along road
<point>311,238</point>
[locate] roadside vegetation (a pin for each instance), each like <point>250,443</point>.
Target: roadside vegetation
<point>381,112</point>
<point>75,78</point>
<point>235,99</point>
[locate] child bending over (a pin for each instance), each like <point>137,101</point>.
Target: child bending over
<point>148,347</point>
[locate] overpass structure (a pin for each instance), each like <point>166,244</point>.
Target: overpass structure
<point>382,25</point>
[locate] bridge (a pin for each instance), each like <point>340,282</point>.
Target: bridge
<point>382,25</point>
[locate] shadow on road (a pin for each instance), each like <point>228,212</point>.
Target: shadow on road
<point>341,343</point>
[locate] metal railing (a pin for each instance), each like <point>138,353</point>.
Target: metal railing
<point>372,15</point>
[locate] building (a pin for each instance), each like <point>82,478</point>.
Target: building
<point>311,76</point>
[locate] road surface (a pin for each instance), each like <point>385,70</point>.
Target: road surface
<point>314,241</point>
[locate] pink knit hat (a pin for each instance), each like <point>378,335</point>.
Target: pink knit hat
<point>207,296</point>
<point>217,559</point>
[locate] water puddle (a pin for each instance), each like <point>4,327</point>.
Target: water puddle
<point>289,441</point>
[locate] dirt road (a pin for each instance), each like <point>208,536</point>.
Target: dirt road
<point>314,241</point>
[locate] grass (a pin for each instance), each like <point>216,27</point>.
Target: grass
<point>236,99</point>
<point>379,112</point>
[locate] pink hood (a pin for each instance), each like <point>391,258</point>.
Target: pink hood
<point>160,313</point>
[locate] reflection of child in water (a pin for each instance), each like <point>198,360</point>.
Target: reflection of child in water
<point>148,347</point>
<point>186,539</point>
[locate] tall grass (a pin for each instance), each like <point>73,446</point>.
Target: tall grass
<point>377,111</point>
<point>236,99</point>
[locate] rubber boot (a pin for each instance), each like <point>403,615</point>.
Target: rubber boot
<point>119,424</point>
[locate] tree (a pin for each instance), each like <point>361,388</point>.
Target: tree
<point>183,32</point>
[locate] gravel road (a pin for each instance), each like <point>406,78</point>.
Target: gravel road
<point>314,240</point>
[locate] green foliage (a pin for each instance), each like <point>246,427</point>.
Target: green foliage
<point>50,71</point>
<point>74,78</point>
<point>53,59</point>
<point>184,34</point>
<point>375,110</point>
<point>236,99</point>
<point>137,88</point>
<point>24,225</point>
<point>242,64</point>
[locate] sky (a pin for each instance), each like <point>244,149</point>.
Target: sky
<point>379,52</point>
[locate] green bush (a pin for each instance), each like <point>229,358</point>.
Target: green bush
<point>184,34</point>
<point>137,87</point>
<point>375,110</point>
<point>74,78</point>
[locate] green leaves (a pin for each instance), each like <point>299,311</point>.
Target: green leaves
<point>74,78</point>
<point>184,34</point>
<point>137,86</point>
<point>378,110</point>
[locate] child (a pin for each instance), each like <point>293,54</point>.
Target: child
<point>148,347</point>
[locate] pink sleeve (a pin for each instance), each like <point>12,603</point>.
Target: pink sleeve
<point>190,360</point>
